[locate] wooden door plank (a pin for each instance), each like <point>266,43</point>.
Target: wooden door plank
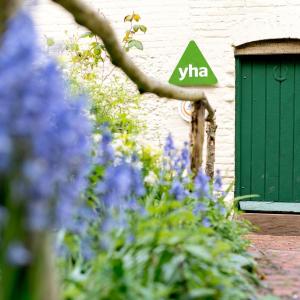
<point>272,133</point>
<point>238,89</point>
<point>258,129</point>
<point>286,149</point>
<point>246,127</point>
<point>296,187</point>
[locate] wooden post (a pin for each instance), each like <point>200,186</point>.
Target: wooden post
<point>197,136</point>
<point>211,145</point>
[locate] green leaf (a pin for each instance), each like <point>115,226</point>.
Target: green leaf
<point>135,43</point>
<point>240,260</point>
<point>245,197</point>
<point>86,34</point>
<point>198,251</point>
<point>171,267</point>
<point>50,41</point>
<point>220,247</point>
<point>128,18</point>
<point>143,28</point>
<point>136,28</point>
<point>201,292</point>
<point>97,51</point>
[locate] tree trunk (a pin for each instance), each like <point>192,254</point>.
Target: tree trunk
<point>211,144</point>
<point>7,9</point>
<point>197,136</point>
<point>30,277</point>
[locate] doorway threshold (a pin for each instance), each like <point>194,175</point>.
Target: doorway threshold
<point>274,207</point>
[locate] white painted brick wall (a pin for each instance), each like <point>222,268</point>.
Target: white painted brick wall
<point>216,25</point>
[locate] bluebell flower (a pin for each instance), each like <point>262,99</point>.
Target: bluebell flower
<point>44,133</point>
<point>202,189</point>
<point>223,210</point>
<point>206,222</point>
<point>61,249</point>
<point>106,153</point>
<point>218,185</point>
<point>185,157</point>
<point>86,248</point>
<point>181,162</point>
<point>5,150</point>
<point>119,190</point>
<point>120,183</point>
<point>177,190</point>
<point>131,239</point>
<point>169,147</point>
<point>17,254</point>
<point>199,207</point>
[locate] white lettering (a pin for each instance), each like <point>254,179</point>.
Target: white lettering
<point>192,71</point>
<point>203,72</point>
<point>182,73</point>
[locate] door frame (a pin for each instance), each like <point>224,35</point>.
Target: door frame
<point>259,48</point>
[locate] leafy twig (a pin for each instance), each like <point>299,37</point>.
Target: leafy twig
<point>99,25</point>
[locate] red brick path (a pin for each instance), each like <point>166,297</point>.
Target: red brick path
<point>279,262</point>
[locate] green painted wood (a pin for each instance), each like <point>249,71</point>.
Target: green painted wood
<point>286,133</point>
<point>270,206</point>
<point>246,127</point>
<point>268,128</point>
<point>272,129</point>
<point>258,128</point>
<point>296,187</point>
<point>237,126</point>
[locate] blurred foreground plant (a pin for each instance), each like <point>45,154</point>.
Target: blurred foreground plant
<point>44,157</point>
<point>171,237</point>
<point>174,238</point>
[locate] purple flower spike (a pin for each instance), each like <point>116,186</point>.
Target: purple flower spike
<point>18,255</point>
<point>218,185</point>
<point>169,146</point>
<point>199,208</point>
<point>202,185</point>
<point>178,191</point>
<point>44,134</point>
<point>206,222</point>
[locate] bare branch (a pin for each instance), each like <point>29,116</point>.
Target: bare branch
<point>7,9</point>
<point>100,26</point>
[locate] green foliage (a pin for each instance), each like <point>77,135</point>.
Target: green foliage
<point>129,40</point>
<point>49,41</point>
<point>166,252</point>
<point>115,105</point>
<point>86,63</point>
<point>88,54</point>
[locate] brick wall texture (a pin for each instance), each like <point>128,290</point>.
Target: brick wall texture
<point>216,26</point>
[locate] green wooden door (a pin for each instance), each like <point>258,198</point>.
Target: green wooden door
<point>268,132</point>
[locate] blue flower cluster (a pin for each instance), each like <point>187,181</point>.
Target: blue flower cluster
<point>184,186</point>
<point>179,163</point>
<point>120,186</point>
<point>44,134</point>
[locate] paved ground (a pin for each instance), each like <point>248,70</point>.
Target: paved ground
<point>279,261</point>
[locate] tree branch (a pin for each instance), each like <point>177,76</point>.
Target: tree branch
<point>100,26</point>
<point>7,9</point>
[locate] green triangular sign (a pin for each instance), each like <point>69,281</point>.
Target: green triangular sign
<point>193,69</point>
